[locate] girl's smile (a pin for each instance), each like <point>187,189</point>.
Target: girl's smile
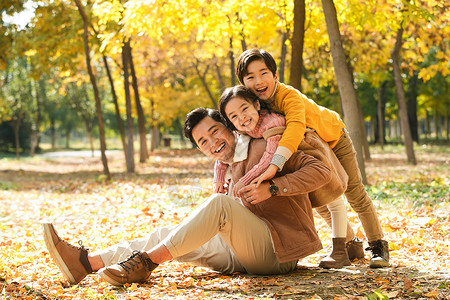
<point>243,114</point>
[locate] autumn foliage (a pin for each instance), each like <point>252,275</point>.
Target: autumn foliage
<point>412,202</point>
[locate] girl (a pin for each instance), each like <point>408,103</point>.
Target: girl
<point>246,114</point>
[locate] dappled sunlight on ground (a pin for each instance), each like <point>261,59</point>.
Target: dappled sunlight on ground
<point>412,202</point>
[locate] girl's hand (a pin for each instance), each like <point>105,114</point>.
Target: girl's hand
<point>239,185</point>
<point>268,174</point>
<point>218,187</point>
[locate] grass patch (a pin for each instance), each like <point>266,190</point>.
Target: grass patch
<point>417,193</point>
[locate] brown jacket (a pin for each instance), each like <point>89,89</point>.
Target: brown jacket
<point>314,145</point>
<point>289,214</point>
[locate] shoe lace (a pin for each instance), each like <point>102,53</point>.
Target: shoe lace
<point>376,248</point>
<point>131,262</point>
<point>79,247</point>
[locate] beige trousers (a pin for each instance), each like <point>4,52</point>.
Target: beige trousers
<point>356,194</point>
<point>219,234</point>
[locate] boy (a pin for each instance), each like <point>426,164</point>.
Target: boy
<point>257,70</point>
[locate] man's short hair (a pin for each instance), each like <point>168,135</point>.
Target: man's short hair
<point>195,116</point>
<point>251,55</point>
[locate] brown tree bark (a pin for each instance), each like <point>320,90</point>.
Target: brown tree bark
<point>395,55</point>
<point>205,83</point>
<point>218,74</point>
<point>96,93</point>
<point>143,153</point>
<point>345,83</point>
<point>297,40</point>
<point>130,130</point>
<point>116,107</point>
<point>281,69</point>
<point>363,133</point>
<point>16,124</point>
<point>232,64</point>
<point>411,106</point>
<point>37,117</point>
<point>381,113</point>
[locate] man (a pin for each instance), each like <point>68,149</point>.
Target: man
<point>268,235</point>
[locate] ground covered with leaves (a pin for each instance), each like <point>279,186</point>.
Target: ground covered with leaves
<point>412,202</point>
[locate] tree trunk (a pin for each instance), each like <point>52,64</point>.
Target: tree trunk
<point>143,153</point>
<point>281,68</point>
<point>218,74</point>
<point>241,33</point>
<point>53,132</point>
<point>232,63</point>
<point>37,117</point>
<point>130,131</point>
<point>345,83</point>
<point>205,84</point>
<point>179,128</point>
<point>68,131</point>
<point>91,139</point>
<point>436,124</point>
<point>446,124</point>
<point>412,106</point>
<point>381,113</point>
<point>155,137</point>
<point>428,125</point>
<point>401,97</point>
<point>363,132</point>
<point>297,41</point>
<point>96,94</point>
<point>116,107</point>
<point>17,124</point>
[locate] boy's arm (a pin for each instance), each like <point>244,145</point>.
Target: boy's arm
<point>293,106</point>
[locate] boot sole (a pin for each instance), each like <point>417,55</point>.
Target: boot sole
<point>325,266</point>
<point>379,264</point>
<point>55,254</point>
<point>108,279</point>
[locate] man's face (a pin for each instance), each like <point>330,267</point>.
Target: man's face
<point>260,80</point>
<point>214,139</point>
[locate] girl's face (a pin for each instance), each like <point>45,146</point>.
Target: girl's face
<point>242,113</point>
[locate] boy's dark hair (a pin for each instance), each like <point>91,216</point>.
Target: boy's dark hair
<point>251,55</point>
<point>241,92</point>
<point>195,116</point>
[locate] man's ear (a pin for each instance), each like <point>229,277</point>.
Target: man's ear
<point>257,105</point>
<point>276,76</point>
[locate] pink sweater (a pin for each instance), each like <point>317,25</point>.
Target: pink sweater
<point>266,121</point>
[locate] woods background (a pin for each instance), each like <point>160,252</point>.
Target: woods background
<point>131,70</point>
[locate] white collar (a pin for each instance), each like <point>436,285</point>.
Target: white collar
<point>241,150</point>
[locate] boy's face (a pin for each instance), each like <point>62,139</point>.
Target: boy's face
<point>260,80</point>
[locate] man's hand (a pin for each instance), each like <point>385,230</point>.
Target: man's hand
<point>254,195</point>
<point>239,185</point>
<point>219,187</point>
<point>268,174</point>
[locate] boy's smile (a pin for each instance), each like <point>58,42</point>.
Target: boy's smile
<point>260,80</point>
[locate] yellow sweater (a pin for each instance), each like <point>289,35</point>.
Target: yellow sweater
<point>300,113</point>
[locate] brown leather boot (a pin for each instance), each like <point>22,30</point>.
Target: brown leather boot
<point>71,260</point>
<point>355,249</point>
<point>338,257</point>
<point>136,268</point>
